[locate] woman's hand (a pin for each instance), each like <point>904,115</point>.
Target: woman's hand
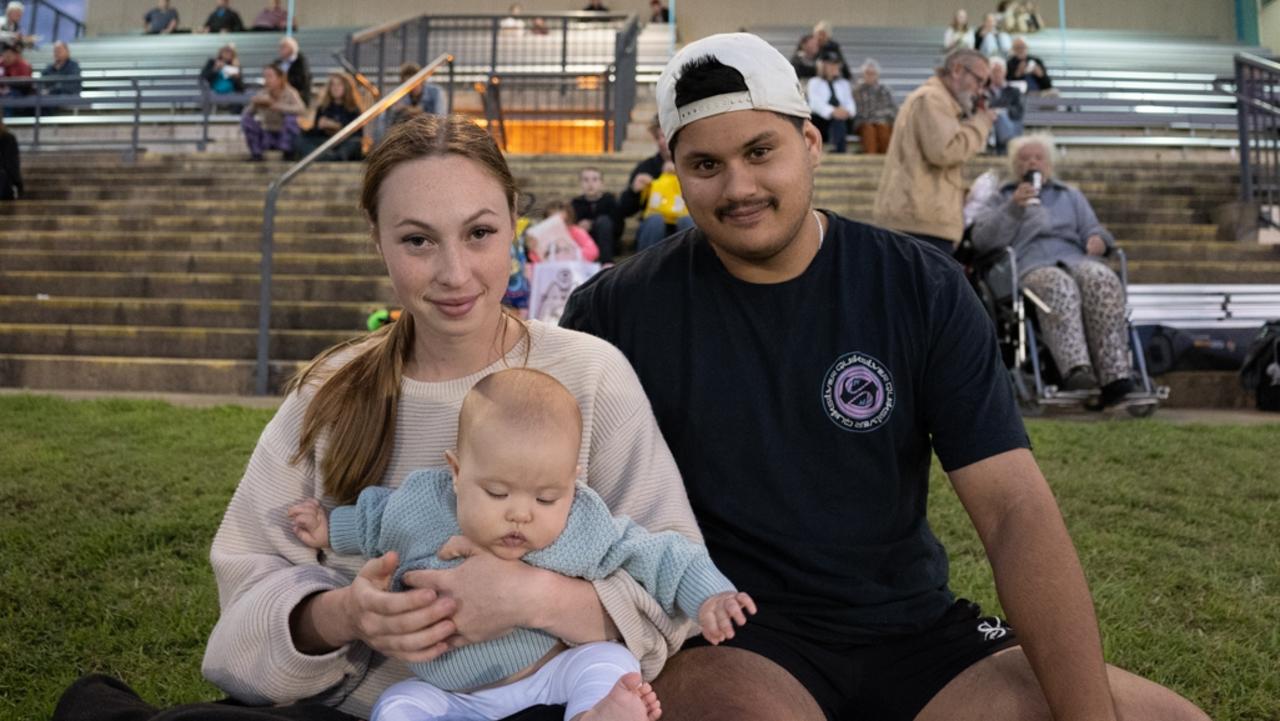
<point>493,596</point>
<point>1095,245</point>
<point>412,625</point>
<point>1024,193</point>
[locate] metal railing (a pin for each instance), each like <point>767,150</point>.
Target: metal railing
<point>487,45</point>
<point>45,109</point>
<point>550,112</point>
<point>1257,94</point>
<point>388,99</point>
<point>60,18</point>
<point>622,100</point>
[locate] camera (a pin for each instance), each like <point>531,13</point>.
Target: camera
<point>1036,179</point>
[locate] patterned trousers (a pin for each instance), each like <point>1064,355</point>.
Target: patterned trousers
<point>1087,319</point>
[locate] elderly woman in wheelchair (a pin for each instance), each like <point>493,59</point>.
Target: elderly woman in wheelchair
<point>1057,249</point>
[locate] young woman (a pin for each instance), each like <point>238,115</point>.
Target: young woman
<point>339,104</point>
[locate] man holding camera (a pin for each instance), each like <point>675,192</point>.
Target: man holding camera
<point>942,124</point>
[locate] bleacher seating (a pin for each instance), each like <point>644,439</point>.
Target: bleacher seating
<point>1117,88</point>
<point>146,277</point>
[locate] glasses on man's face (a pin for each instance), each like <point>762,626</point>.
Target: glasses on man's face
<point>981,80</point>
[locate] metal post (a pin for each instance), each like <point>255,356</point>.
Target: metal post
<point>288,23</point>
<point>382,62</point>
<point>449,92</point>
<point>35,128</point>
<point>607,114</point>
<point>1062,31</point>
<point>493,46</point>
<point>423,28</point>
<point>206,104</point>
<point>57,20</point>
<point>137,119</point>
<point>262,367</point>
<point>31,19</point>
<point>1242,130</point>
<point>564,45</point>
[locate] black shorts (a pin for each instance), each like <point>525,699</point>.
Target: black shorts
<point>888,681</point>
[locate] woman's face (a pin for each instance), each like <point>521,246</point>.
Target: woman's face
<point>271,79</point>
<point>227,55</point>
<point>444,231</point>
<point>337,90</point>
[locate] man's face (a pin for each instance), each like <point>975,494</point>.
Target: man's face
<point>9,57</point>
<point>660,141</point>
<point>810,46</point>
<point>747,179</point>
<point>966,79</point>
<point>286,50</point>
<point>1020,48</point>
<point>870,76</point>
<point>61,53</point>
<point>592,183</point>
<point>830,69</point>
<point>1033,156</point>
<point>14,15</point>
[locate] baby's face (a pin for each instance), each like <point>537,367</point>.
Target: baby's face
<point>514,489</point>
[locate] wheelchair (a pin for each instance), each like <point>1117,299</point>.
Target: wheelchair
<point>1032,371</point>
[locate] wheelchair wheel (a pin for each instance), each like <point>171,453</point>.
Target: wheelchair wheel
<point>1142,410</point>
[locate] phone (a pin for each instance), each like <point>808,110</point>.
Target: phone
<point>980,102</point>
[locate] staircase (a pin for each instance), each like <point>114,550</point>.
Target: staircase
<point>145,277</point>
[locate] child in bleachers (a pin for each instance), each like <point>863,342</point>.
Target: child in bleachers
<point>511,490</point>
<point>596,211</point>
<point>271,120</point>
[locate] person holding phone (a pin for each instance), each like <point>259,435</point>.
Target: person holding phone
<point>1029,69</point>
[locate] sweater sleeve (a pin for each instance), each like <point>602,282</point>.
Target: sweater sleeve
<point>358,528</point>
<point>263,572</point>
<point>944,140</point>
<point>634,472</point>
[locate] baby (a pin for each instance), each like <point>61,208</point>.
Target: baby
<point>511,490</point>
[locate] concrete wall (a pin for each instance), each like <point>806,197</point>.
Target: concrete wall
<point>1269,26</point>
<point>1213,18</point>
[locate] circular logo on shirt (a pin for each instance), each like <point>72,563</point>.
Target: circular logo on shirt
<point>857,393</point>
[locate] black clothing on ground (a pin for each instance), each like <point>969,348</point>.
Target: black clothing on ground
<point>10,167</point>
<point>224,20</point>
<point>889,681</point>
<point>103,698</point>
<point>802,415</point>
<point>605,234</point>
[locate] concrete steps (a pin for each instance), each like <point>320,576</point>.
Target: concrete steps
<point>145,277</point>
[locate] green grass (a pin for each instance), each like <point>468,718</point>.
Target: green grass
<point>108,508</point>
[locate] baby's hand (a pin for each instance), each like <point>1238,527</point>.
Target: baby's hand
<point>458,547</point>
<point>720,612</point>
<point>310,523</point>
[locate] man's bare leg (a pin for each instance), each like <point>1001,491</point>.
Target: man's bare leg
<point>1002,686</point>
<point>730,684</point>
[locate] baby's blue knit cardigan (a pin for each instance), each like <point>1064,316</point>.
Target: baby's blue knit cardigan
<point>416,519</point>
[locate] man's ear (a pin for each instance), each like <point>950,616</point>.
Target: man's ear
<point>812,142</point>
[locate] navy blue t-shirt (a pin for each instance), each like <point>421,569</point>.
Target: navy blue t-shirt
<point>802,415</point>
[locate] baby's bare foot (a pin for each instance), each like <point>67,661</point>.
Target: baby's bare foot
<point>631,699</point>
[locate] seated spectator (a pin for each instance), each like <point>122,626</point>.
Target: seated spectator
<point>222,72</point>
<point>1021,17</point>
<point>827,44</point>
<point>659,13</point>
<point>958,34</point>
<point>1031,20</point>
<point>13,66</point>
<point>294,64</point>
<point>1006,100</point>
<point>989,39</point>
<point>581,238</point>
<point>10,166</point>
<point>11,29</point>
<point>62,65</point>
<point>597,211</point>
<point>831,100</point>
<point>271,120</point>
<point>595,6</point>
<point>637,196</point>
<point>1029,69</point>
<point>876,110</point>
<point>339,104</point>
<point>273,18</point>
<point>160,20</point>
<point>427,98</point>
<point>1059,245</point>
<point>223,19</point>
<point>513,23</point>
<point>805,58</point>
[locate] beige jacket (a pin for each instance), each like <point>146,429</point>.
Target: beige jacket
<point>288,102</point>
<point>922,186</point>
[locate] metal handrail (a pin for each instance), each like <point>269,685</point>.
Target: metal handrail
<point>392,25</point>
<point>277,185</point>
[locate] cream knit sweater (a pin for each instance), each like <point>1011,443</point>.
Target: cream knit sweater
<point>263,571</point>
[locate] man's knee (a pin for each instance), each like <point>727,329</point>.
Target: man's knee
<point>710,684</point>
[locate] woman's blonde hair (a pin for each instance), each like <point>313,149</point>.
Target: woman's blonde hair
<point>356,402</point>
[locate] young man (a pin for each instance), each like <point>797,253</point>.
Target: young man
<point>597,212</point>
<point>803,367</point>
